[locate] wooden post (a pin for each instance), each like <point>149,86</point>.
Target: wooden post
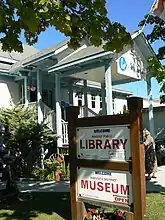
<point>77,208</point>
<point>130,216</point>
<point>135,106</point>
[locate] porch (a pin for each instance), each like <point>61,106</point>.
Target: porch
<point>49,80</point>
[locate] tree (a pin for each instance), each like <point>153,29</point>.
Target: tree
<point>157,33</point>
<point>77,19</point>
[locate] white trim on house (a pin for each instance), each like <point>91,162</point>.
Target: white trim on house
<point>80,61</point>
<point>59,50</point>
<point>80,48</point>
<point>4,59</point>
<point>4,71</point>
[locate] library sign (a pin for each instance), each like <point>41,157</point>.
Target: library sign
<point>104,143</point>
<point>107,162</point>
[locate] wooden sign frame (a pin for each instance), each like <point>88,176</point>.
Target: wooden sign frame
<point>136,165</point>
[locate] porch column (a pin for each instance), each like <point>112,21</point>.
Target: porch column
<point>150,109</point>
<point>70,85</point>
<point>39,97</point>
<point>25,91</point>
<point>39,109</point>
<point>85,98</point>
<point>103,95</point>
<point>108,85</point>
<point>28,91</point>
<point>151,118</point>
<point>58,110</point>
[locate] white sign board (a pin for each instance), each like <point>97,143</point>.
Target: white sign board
<point>105,185</point>
<point>104,143</point>
<point>132,65</point>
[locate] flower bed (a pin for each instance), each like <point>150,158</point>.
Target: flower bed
<point>101,214</point>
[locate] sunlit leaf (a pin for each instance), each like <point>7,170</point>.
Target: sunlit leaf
<point>76,19</point>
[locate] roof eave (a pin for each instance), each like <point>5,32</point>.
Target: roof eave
<point>81,61</point>
<point>39,59</point>
<point>142,35</point>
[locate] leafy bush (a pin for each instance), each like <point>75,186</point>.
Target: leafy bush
<point>26,138</point>
<point>125,110</point>
<point>49,172</point>
<point>43,174</point>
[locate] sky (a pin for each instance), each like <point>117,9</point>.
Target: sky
<point>128,13</point>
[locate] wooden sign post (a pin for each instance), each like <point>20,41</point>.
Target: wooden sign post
<point>107,162</point>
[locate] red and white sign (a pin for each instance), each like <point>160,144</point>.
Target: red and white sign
<point>105,185</point>
<point>104,143</point>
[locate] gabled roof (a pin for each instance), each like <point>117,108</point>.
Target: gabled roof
<point>41,54</point>
<point>7,59</point>
<point>27,51</point>
<point>84,53</point>
<point>137,36</point>
<point>49,59</point>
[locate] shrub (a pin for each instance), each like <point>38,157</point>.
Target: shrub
<point>125,110</point>
<point>49,172</point>
<point>26,138</point>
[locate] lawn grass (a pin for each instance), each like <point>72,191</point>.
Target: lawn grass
<point>56,206</point>
<point>38,206</point>
<point>156,206</point>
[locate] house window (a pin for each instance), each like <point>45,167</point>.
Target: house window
<point>80,100</point>
<point>101,102</point>
<point>93,101</point>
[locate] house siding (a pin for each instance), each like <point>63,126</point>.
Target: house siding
<point>9,93</point>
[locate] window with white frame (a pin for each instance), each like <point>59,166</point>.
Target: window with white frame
<point>101,102</point>
<point>93,101</point>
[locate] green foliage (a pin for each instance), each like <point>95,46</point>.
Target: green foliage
<point>155,68</point>
<point>157,32</point>
<point>76,19</point>
<point>27,137</point>
<point>49,172</point>
<point>100,113</point>
<point>43,174</point>
<point>125,110</point>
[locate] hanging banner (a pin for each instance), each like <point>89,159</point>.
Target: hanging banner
<point>105,185</point>
<point>104,143</point>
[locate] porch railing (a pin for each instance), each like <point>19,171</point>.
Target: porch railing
<point>50,116</point>
<point>83,111</point>
<point>86,112</point>
<point>50,119</point>
<point>32,105</point>
<point>65,139</point>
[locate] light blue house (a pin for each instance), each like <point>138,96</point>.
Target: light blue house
<point>84,77</point>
